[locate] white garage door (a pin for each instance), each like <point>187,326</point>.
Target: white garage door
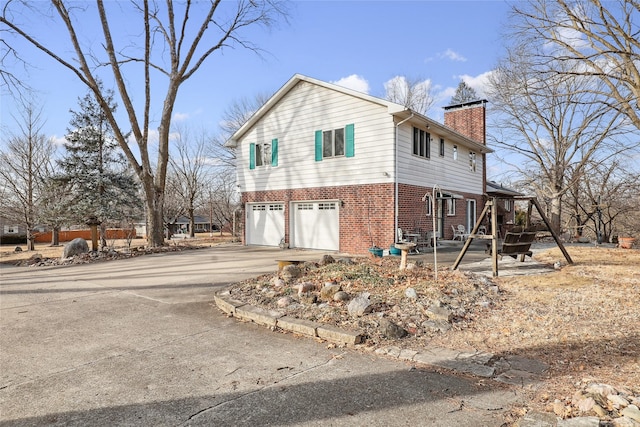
<point>316,226</point>
<point>265,224</point>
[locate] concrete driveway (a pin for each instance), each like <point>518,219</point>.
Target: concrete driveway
<point>138,342</point>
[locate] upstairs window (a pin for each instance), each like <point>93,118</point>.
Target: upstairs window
<point>441,147</point>
<point>421,143</point>
<point>335,143</point>
<point>455,152</point>
<point>472,161</point>
<point>263,154</point>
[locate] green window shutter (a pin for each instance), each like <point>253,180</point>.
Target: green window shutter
<point>318,145</point>
<point>349,141</point>
<point>252,156</point>
<point>274,152</point>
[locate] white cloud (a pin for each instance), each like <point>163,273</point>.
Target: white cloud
<point>478,83</point>
<point>354,82</point>
<point>58,141</point>
<point>452,55</point>
<point>180,117</point>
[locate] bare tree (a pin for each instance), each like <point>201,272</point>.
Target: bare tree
<point>192,172</point>
<point>604,198</point>
<point>233,117</point>
<point>592,38</point>
<point>25,163</point>
<point>413,93</point>
<point>224,198</point>
<point>552,122</point>
<point>175,41</point>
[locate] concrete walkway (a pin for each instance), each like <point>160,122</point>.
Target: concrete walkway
<point>138,342</point>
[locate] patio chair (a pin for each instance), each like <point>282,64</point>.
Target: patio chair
<point>459,232</point>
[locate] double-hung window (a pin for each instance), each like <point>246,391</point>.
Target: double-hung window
<point>451,207</point>
<point>333,143</point>
<point>338,142</point>
<point>472,161</point>
<point>441,147</point>
<point>421,143</point>
<point>263,154</point>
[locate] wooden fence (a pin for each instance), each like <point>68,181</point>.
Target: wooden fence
<point>69,235</point>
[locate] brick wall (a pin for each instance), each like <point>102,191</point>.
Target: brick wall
<point>367,212</point>
<point>412,216</point>
<point>468,120</point>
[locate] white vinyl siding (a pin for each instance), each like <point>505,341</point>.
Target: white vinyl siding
<point>306,109</point>
<point>443,171</point>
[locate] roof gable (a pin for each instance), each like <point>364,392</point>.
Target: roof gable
<point>392,107</point>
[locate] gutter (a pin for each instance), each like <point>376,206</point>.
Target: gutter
<point>395,177</point>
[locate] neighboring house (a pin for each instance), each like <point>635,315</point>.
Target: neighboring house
<point>201,224</point>
<point>324,167</point>
<point>180,226</point>
<point>12,233</point>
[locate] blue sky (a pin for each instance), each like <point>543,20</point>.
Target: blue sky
<point>360,44</point>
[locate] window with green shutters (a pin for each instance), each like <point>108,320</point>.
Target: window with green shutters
<point>263,154</point>
<point>335,143</point>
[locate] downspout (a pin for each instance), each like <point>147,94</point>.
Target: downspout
<point>395,177</point>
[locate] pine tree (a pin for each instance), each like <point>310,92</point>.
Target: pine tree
<point>100,179</point>
<point>464,93</point>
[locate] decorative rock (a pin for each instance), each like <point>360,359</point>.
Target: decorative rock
<point>347,261</point>
<point>17,249</point>
<point>327,259</point>
<point>75,247</point>
<point>558,408</point>
<point>439,313</point>
<point>341,296</point>
<point>310,265</point>
<point>625,422</point>
<point>632,412</point>
<point>580,422</point>
<point>329,290</point>
<point>603,389</point>
<point>618,401</point>
<point>412,266</point>
<point>291,272</point>
<point>585,405</point>
<point>391,330</point>
<point>360,305</point>
<point>436,325</point>
<point>277,282</point>
<point>599,411</point>
<point>308,299</point>
<point>305,287</point>
<point>284,302</point>
<point>410,293</point>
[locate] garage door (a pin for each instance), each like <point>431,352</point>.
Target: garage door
<point>316,226</point>
<point>265,224</point>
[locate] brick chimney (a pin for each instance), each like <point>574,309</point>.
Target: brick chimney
<point>468,119</point>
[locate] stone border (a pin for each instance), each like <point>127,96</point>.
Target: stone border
<point>512,370</point>
<point>273,319</point>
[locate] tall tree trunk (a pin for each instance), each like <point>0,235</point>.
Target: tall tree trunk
<point>55,236</point>
<point>155,220</point>
<point>555,211</point>
<point>192,223</point>
<point>103,235</point>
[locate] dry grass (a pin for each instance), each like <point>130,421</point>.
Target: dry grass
<point>583,320</point>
